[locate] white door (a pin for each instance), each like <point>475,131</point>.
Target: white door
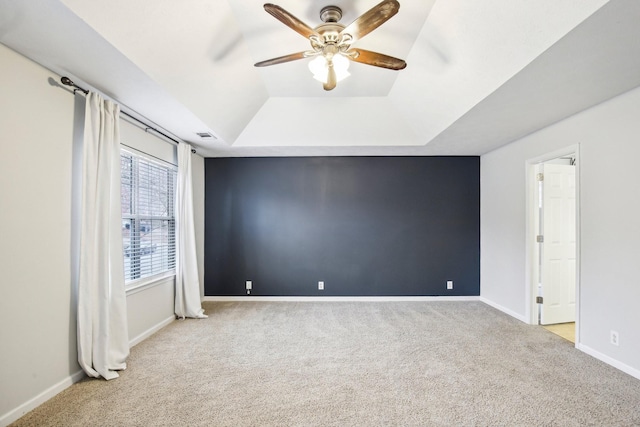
<point>558,258</point>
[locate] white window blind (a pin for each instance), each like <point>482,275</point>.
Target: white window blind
<point>148,222</point>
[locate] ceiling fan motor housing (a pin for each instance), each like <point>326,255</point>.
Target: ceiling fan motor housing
<point>330,30</point>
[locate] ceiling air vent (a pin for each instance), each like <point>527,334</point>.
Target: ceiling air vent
<point>205,135</point>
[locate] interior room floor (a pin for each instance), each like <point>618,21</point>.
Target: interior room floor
<point>565,330</point>
<point>440,363</point>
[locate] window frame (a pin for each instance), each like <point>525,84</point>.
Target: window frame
<point>135,218</point>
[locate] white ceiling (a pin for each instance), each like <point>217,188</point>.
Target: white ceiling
<point>480,73</point>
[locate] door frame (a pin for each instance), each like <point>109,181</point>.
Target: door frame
<point>531,310</point>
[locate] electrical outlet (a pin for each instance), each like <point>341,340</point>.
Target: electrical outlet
<point>321,286</point>
<point>249,285</point>
<point>615,339</point>
<point>449,284</point>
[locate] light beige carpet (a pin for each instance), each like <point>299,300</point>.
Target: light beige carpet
<point>351,364</point>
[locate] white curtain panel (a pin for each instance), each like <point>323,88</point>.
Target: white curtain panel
<point>103,342</point>
<point>187,302</point>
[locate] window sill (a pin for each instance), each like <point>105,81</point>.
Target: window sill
<point>149,282</point>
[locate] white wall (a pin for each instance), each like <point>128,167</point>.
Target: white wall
<point>133,136</point>
<point>37,324</point>
<point>37,313</point>
<point>608,136</point>
<point>150,308</point>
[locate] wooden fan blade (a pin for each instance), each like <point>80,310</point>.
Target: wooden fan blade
<point>372,19</point>
<point>377,59</point>
<point>290,21</point>
<point>281,59</point>
<point>332,80</point>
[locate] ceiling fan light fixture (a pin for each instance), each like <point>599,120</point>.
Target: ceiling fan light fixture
<point>319,66</point>
<point>341,65</point>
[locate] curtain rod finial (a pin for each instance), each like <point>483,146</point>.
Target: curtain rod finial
<point>68,82</point>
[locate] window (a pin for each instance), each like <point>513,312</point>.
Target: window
<point>148,222</point>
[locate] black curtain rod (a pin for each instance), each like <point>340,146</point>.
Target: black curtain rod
<point>68,82</point>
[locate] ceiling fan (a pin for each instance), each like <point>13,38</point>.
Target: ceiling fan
<point>331,41</point>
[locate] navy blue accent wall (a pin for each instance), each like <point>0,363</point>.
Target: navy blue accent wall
<point>366,226</point>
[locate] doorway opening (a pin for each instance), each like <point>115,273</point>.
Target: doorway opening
<point>553,236</point>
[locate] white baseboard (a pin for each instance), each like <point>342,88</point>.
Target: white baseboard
<point>504,310</point>
<point>31,404</point>
<point>609,360</point>
<point>146,334</point>
<point>338,299</point>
